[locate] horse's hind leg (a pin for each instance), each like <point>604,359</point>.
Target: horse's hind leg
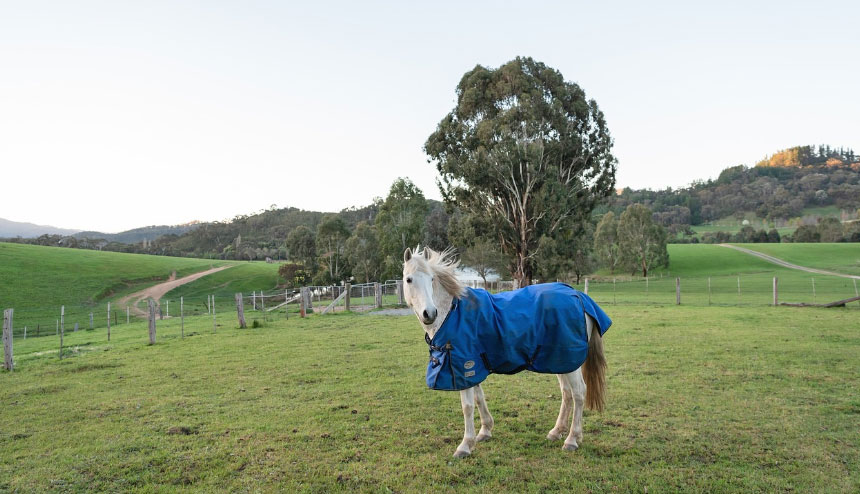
<point>578,385</point>
<point>561,424</point>
<point>486,431</point>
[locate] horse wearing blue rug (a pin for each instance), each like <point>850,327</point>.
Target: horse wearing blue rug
<point>548,328</point>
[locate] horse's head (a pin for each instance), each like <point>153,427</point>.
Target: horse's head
<point>418,285</point>
<point>428,276</point>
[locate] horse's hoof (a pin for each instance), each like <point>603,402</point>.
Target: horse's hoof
<point>484,437</point>
<point>570,447</point>
<point>461,453</point>
<point>554,436</point>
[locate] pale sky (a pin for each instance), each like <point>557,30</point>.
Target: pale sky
<point>117,114</point>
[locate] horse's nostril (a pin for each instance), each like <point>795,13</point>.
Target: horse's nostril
<point>426,315</point>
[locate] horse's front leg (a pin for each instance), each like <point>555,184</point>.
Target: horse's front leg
<point>486,431</point>
<point>467,401</point>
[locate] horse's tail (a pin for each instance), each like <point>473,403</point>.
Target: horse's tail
<point>594,371</point>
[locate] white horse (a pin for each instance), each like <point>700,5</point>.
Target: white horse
<point>430,287</point>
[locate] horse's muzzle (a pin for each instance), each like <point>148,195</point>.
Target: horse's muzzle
<point>428,316</point>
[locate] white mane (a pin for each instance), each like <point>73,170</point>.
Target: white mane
<point>440,264</point>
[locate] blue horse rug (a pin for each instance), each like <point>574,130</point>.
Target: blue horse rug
<point>540,328</point>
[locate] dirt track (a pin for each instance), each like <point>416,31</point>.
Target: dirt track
<point>158,291</point>
<point>785,264</point>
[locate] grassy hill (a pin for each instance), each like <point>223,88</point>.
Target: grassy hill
<point>711,275</point>
<point>37,280</point>
<point>245,277</point>
<point>841,258</point>
<point>699,399</point>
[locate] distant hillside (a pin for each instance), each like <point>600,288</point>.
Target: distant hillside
<point>257,236</point>
<point>140,234</point>
<point>778,191</point>
<point>11,229</point>
<point>811,156</point>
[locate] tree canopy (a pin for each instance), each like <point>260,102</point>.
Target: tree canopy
<point>525,149</point>
<point>400,223</point>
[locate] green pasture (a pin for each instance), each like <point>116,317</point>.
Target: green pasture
<point>731,224</point>
<point>37,280</point>
<point>244,277</point>
<point>841,257</point>
<point>36,276</point>
<point>717,399</point>
<point>710,275</point>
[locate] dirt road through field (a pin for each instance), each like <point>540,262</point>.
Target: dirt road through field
<point>158,291</point>
<point>786,264</point>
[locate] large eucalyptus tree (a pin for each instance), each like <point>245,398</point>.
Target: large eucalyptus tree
<point>527,151</point>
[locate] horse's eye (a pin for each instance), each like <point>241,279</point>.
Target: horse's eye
<point>408,280</point>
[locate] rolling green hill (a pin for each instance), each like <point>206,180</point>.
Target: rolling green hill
<point>37,276</point>
<point>841,258</point>
<point>37,280</point>
<point>714,275</point>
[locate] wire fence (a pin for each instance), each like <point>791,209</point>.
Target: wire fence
<point>745,290</point>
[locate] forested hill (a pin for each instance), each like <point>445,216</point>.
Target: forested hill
<point>254,236</point>
<point>777,190</point>
<point>139,234</point>
<point>812,156</point>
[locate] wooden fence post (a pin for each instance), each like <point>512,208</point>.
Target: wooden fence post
<point>240,311</point>
<point>254,300</point>
<point>214,323</point>
<point>8,364</point>
<point>91,320</point>
<point>813,290</point>
<point>677,291</point>
<point>585,291</point>
<point>108,314</point>
<point>182,314</point>
<point>855,290</point>
<point>76,327</point>
<point>348,288</point>
<point>377,294</point>
<point>151,322</point>
<point>127,315</point>
<point>400,299</point>
<point>302,301</point>
<point>286,304</point>
<point>168,308</point>
<point>25,333</point>
<point>62,326</point>
<point>263,303</point>
<point>775,291</point>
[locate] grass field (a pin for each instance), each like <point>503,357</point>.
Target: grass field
<point>841,258</point>
<point>718,399</point>
<point>37,280</point>
<point>244,277</point>
<point>53,275</point>
<point>732,225</point>
<point>710,275</point>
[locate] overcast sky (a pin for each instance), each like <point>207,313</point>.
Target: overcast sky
<point>120,114</point>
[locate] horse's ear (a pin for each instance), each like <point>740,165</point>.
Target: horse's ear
<point>407,254</point>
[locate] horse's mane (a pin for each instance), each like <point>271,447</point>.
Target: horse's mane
<point>443,266</point>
